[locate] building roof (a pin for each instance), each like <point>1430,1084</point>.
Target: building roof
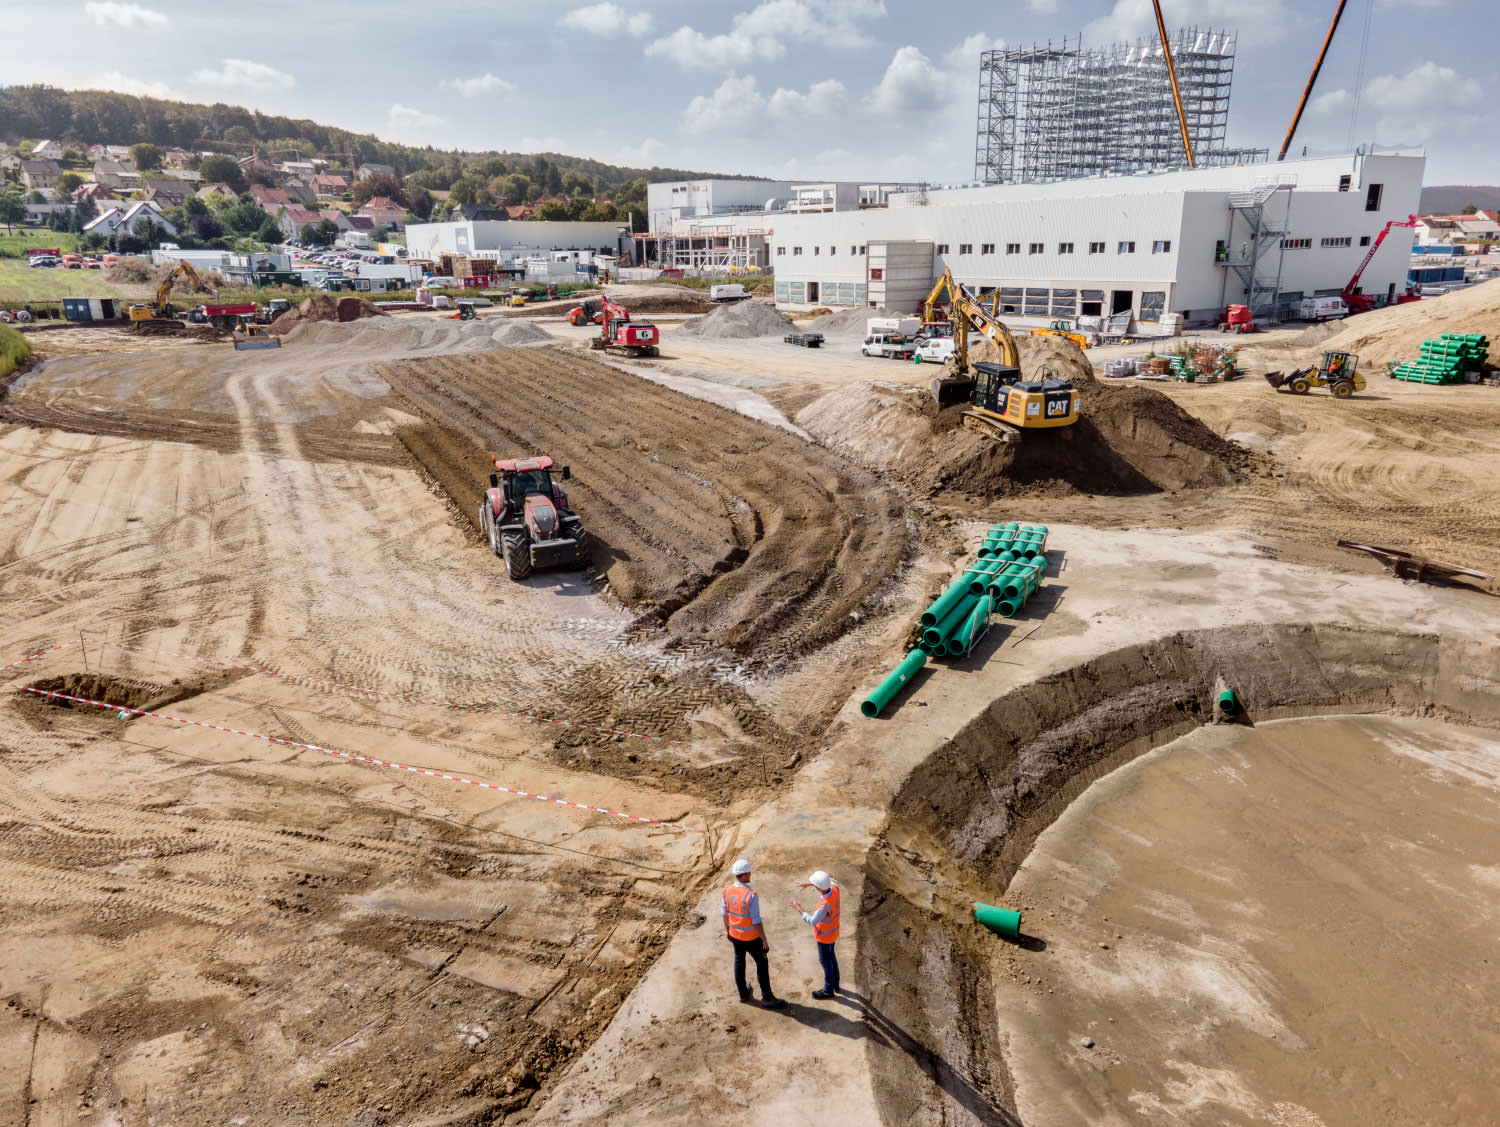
<point>167,187</point>
<point>361,222</point>
<point>382,203</point>
<point>37,167</point>
<point>272,197</point>
<point>301,216</point>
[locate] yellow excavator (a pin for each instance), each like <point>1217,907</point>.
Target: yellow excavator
<point>158,316</point>
<point>1000,402</point>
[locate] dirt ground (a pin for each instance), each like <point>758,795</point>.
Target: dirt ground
<point>202,926</point>
<point>1273,959</point>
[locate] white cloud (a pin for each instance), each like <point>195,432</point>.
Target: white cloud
<point>912,83</point>
<point>124,84</point>
<point>1042,7</point>
<point>403,121</point>
<point>737,104</point>
<point>541,145</point>
<point>608,19</point>
<point>481,84</point>
<point>645,155</point>
<point>1425,89</point>
<point>765,31</point>
<point>1330,103</point>
<point>967,53</point>
<point>244,73</point>
<point>106,12</point>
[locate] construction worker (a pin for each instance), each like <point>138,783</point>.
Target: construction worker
<point>743,928</point>
<point>824,921</point>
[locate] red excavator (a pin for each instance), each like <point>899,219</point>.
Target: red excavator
<point>589,312</point>
<point>525,515</point>
<point>621,334</point>
<point>1363,303</point>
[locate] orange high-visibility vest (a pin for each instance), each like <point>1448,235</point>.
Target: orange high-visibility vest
<point>827,930</point>
<point>737,904</point>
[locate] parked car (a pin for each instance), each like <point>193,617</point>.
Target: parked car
<point>92,264</point>
<point>111,260</point>
<point>934,350</point>
<point>44,260</point>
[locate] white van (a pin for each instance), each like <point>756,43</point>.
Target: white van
<point>731,292</point>
<point>934,350</point>
<point>1321,309</point>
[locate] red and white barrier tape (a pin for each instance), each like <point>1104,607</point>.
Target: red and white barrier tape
<point>371,760</point>
<point>224,663</point>
<point>38,654</point>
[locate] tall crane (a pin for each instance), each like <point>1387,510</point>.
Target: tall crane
<point>1166,48</point>
<point>1312,78</point>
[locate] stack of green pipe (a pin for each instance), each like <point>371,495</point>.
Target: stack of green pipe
<point>1445,359</point>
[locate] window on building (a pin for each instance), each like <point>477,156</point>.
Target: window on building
<point>1344,182</point>
<point>1153,304</point>
<point>1336,241</point>
<point>986,248</point>
<point>1012,248</point>
<point>854,250</point>
<point>1064,248</point>
<point>965,248</point>
<point>796,251</point>
<point>1296,244</point>
<point>1096,248</point>
<point>817,250</point>
<point>942,248</point>
<point>832,251</point>
<point>1127,248</point>
<point>1162,246</point>
<point>1364,240</point>
<point>877,274</point>
<point>861,250</point>
<point>781,250</point>
<point>1035,248</point>
<point>1372,197</point>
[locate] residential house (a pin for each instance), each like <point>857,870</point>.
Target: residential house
<point>253,166</point>
<point>46,150</point>
<point>272,199</point>
<point>129,219</point>
<point>361,223</point>
<point>293,219</point>
<point>168,193</point>
<point>39,175</point>
<point>519,210</point>
<point>120,153</point>
<point>116,175</point>
<point>219,188</point>
<point>1476,229</point>
<point>39,213</point>
<point>173,157</point>
<point>338,218</point>
<point>382,211</point>
<point>186,174</point>
<point>372,169</point>
<point>330,185</point>
<point>302,169</point>
<point>300,191</point>
<point>10,162</point>
<point>478,213</point>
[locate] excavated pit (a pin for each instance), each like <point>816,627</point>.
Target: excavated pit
<point>964,821</point>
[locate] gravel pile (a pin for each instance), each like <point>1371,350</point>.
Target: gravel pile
<point>740,320</point>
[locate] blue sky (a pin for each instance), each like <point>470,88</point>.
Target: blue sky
<point>827,88</point>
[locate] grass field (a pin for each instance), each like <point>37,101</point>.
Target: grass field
<point>13,244</point>
<point>15,350</point>
<point>19,283</point>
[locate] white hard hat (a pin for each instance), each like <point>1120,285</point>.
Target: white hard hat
<point>820,880</point>
<point>741,867</point>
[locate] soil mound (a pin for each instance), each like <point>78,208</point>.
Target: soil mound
<point>1397,333</point>
<point>738,321</point>
<point>1127,440</point>
<point>324,307</point>
<point>848,322</point>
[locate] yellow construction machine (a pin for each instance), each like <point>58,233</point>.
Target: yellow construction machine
<point>1063,329</point>
<point>1338,373</point>
<point>159,316</point>
<point>248,335</point>
<point>1001,402</point>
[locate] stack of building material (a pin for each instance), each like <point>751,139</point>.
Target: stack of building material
<point>1120,369</point>
<point>1445,359</point>
<point>1008,568</point>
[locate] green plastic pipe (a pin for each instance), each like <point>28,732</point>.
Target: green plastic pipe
<point>1228,704</point>
<point>973,627</point>
<point>1007,607</point>
<point>942,631</point>
<point>887,689</point>
<point>944,602</point>
<point>1002,921</point>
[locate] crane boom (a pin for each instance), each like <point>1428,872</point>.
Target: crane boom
<point>1359,303</point>
<point>1312,78</point>
<point>1166,48</point>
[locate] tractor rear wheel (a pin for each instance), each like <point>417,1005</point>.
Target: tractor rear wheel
<point>1300,386</point>
<point>517,555</point>
<point>1343,389</point>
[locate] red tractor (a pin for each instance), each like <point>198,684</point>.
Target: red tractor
<point>621,334</point>
<point>1237,319</point>
<point>525,514</point>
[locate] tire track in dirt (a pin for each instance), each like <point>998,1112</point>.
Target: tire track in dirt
<point>672,488</point>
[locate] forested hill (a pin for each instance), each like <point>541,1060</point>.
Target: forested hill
<point>99,117</point>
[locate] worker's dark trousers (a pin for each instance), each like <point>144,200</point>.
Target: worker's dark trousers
<point>756,950</point>
<point>830,966</point>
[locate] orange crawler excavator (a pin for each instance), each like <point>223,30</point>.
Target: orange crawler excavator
<point>620,334</point>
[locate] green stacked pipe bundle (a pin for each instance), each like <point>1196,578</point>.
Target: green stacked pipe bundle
<point>887,689</point>
<point>1445,359</point>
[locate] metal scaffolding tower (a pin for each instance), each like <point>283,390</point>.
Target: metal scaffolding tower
<point>1058,111</point>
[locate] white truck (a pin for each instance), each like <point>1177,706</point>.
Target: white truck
<point>891,346</point>
<point>934,350</point>
<point>896,326</point>
<point>731,292</point>
<point>1321,309</point>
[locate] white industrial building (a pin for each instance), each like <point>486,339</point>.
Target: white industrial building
<point>511,242</point>
<point>722,226</point>
<point>1187,241</point>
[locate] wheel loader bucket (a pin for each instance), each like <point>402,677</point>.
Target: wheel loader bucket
<point>248,345</point>
<point>1275,379</point>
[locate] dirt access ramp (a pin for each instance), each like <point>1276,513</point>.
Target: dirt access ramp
<point>732,532</point>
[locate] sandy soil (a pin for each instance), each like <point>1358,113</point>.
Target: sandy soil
<point>1274,958</point>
